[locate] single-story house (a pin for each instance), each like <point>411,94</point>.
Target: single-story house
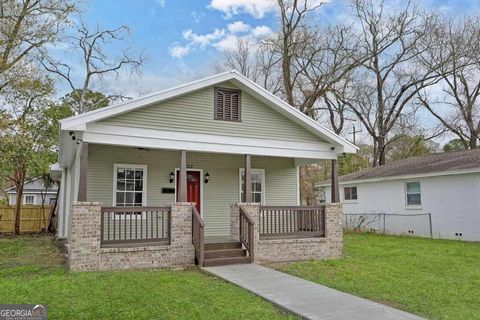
<point>34,193</point>
<point>206,172</point>
<point>444,185</point>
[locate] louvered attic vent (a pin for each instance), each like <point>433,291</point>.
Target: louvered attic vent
<point>227,104</point>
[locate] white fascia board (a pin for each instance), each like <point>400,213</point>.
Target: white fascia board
<point>293,114</point>
<point>409,176</point>
<point>34,192</point>
<point>79,122</point>
<point>156,139</point>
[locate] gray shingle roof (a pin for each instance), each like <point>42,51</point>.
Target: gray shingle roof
<point>437,162</point>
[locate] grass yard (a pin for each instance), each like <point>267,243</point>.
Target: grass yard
<point>32,271</point>
<point>437,279</point>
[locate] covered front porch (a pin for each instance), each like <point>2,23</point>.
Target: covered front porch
<point>159,207</point>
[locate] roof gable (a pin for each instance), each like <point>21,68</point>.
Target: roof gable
<point>194,112</point>
<point>80,122</point>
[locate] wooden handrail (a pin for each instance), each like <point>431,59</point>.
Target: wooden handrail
<point>247,235</point>
<point>134,209</point>
<point>135,225</point>
<point>198,237</point>
<point>291,207</point>
<point>292,221</point>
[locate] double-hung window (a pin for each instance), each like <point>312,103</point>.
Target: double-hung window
<point>258,185</point>
<point>413,194</point>
<point>29,199</point>
<point>350,193</point>
<point>130,185</point>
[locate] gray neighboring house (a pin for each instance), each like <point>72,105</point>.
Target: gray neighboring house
<point>446,185</point>
<point>204,172</point>
<point>33,191</point>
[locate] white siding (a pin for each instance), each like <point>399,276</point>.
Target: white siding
<point>452,200</point>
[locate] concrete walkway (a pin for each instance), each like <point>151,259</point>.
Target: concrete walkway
<point>304,298</point>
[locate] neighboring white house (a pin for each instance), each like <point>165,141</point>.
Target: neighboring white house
<point>33,193</point>
<point>446,185</point>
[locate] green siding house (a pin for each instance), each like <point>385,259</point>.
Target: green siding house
<point>206,173</point>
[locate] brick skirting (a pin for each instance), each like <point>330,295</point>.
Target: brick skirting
<point>284,250</point>
<point>85,253</point>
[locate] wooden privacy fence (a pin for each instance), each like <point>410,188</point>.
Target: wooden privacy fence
<point>32,218</point>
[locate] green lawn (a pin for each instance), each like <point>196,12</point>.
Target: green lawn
<point>437,279</point>
<point>32,271</point>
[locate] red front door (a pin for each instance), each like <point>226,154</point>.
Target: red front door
<point>193,188</point>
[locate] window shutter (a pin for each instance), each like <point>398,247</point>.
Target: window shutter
<point>227,104</point>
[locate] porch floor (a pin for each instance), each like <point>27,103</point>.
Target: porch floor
<point>304,298</point>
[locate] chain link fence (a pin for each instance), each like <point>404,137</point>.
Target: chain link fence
<point>419,224</point>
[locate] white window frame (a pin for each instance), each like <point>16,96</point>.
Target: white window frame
<point>412,206</point>
<point>350,200</point>
<point>130,166</point>
<point>25,199</point>
<point>262,171</point>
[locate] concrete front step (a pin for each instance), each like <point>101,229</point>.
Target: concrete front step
<point>225,253</point>
<point>226,261</point>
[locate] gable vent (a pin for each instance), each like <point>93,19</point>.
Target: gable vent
<point>227,104</point>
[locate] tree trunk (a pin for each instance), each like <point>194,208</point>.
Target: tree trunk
<point>379,158</point>
<point>473,141</point>
<point>18,207</point>
<point>51,226</point>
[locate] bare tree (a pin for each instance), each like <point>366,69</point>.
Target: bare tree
<point>314,62</point>
<point>388,82</point>
<point>326,63</point>
<point>291,40</point>
<point>26,26</point>
<point>95,62</point>
<point>253,61</point>
<point>458,109</point>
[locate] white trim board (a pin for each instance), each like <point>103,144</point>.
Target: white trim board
<point>24,200</point>
<point>144,180</point>
<point>264,192</point>
<point>80,122</point>
<point>34,192</point>
<point>198,146</point>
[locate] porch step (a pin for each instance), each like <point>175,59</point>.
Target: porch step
<point>225,261</point>
<point>223,246</point>
<point>225,253</point>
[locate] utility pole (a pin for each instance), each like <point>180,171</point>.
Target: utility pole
<point>354,132</point>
